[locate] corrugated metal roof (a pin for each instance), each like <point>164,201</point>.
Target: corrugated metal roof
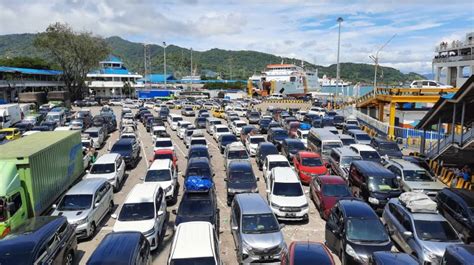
<point>29,71</point>
<point>32,144</point>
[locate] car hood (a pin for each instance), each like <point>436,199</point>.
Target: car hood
<point>366,249</point>
<point>390,153</point>
<point>263,241</point>
<point>288,201</point>
<point>104,176</point>
<point>242,186</point>
<point>438,248</point>
<point>424,185</point>
<point>385,195</point>
<point>72,216</point>
<point>140,226</point>
<point>123,153</point>
<point>185,218</point>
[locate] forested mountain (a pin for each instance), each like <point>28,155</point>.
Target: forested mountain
<point>225,63</point>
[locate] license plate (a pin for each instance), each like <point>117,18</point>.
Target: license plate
<point>266,258</point>
<point>290,215</point>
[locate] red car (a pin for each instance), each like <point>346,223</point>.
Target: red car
<point>308,165</point>
<point>307,252</point>
<point>165,154</point>
<point>326,190</point>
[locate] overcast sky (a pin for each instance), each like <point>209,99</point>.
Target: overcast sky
<point>302,29</point>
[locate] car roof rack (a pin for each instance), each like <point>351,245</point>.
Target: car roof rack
<point>418,202</point>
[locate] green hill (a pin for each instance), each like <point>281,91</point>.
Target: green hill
<point>228,64</point>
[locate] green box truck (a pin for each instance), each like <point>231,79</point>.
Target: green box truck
<point>35,171</point>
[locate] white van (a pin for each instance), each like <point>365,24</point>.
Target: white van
<point>57,116</point>
<point>322,141</point>
<point>173,120</point>
<point>195,243</point>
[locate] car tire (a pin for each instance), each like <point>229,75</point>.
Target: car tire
<point>93,230</point>
<point>111,206</point>
<point>69,258</point>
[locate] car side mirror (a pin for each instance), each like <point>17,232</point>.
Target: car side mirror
<point>258,179</point>
<point>407,234</point>
<point>114,216</point>
<point>225,179</point>
<point>174,211</point>
<point>235,228</point>
<point>327,165</point>
<point>87,171</point>
<point>186,157</point>
<point>54,206</point>
<point>96,205</point>
<point>160,213</point>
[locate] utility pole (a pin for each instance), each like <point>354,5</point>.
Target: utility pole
<point>164,61</point>
<point>376,62</point>
<point>191,62</point>
<point>339,20</point>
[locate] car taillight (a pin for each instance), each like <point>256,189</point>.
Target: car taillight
<point>6,232</point>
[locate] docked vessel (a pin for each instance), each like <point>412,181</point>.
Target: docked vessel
<point>327,82</point>
<point>287,79</point>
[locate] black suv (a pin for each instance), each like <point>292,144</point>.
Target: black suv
<point>226,139</point>
<point>40,240</point>
<point>291,147</point>
<point>240,179</point>
<point>200,122</point>
<point>354,231</point>
<point>263,150</point>
<point>199,166</point>
<point>198,206</point>
<point>457,206</point>
<point>276,136</point>
<point>129,149</point>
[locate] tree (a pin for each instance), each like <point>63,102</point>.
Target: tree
<point>75,52</point>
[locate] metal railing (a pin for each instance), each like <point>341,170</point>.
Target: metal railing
<point>449,140</point>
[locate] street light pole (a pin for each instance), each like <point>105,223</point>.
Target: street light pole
<point>376,62</point>
<point>164,60</point>
<point>339,20</point>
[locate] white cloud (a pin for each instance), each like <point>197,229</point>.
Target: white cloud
<point>293,28</point>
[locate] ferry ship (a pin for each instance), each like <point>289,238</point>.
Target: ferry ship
<point>286,79</point>
<point>332,82</point>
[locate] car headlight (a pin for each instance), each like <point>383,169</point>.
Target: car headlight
<point>246,248</point>
<point>81,221</point>
<point>304,206</point>
<point>394,249</point>
<point>283,247</point>
<point>351,252</point>
<point>373,200</point>
<point>149,232</point>
<point>429,255</point>
<point>275,205</point>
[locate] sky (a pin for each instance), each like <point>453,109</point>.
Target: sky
<point>292,28</point>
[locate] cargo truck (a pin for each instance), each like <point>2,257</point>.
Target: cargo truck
<point>9,115</point>
<point>35,171</point>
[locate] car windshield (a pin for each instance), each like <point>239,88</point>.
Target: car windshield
<point>241,176</point>
<point>259,224</point>
<point>237,154</point>
<point>199,171</point>
<point>439,231</point>
<point>75,202</point>
<point>195,207</point>
<point>198,153</point>
<point>137,211</point>
<point>363,137</point>
<point>389,146</point>
<point>417,175</point>
<point>278,164</point>
<point>382,184</point>
<point>347,160</point>
<point>279,135</point>
<point>265,122</point>
<point>256,140</point>
<point>194,261</point>
<point>102,168</point>
<point>163,156</point>
<point>93,134</point>
<point>296,146</point>
<point>189,132</point>
<point>287,189</point>
<point>311,161</point>
<point>121,148</point>
<point>328,146</point>
<point>198,141</point>
<point>366,230</point>
<point>369,155</point>
<point>240,124</point>
<point>229,139</point>
<point>223,129</point>
<point>348,141</point>
<point>163,144</point>
<point>176,119</point>
<point>336,190</point>
<point>158,175</point>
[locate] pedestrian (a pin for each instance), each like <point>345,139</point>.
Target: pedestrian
<point>466,173</point>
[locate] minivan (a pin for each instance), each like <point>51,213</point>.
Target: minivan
<point>85,205</point>
<point>40,240</point>
<point>98,136</point>
<point>127,248</point>
<point>110,167</point>
<point>256,232</point>
<point>360,136</point>
<point>373,183</point>
<point>321,141</point>
<point>240,178</point>
<point>163,172</point>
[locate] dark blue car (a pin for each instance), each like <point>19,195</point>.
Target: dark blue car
<point>198,150</point>
<point>199,166</point>
<point>129,149</point>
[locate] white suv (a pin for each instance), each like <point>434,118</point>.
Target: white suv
<point>144,210</point>
<point>163,144</point>
<point>251,143</point>
<point>219,130</point>
<point>164,173</point>
<point>109,166</point>
<point>286,196</point>
<point>182,125</point>
<point>195,243</point>
<point>272,161</point>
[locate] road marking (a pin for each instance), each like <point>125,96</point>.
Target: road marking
<point>179,149</point>
<point>220,202</point>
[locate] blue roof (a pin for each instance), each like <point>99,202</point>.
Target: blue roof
<point>112,59</point>
<point>29,71</point>
<point>112,71</point>
<point>158,78</point>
